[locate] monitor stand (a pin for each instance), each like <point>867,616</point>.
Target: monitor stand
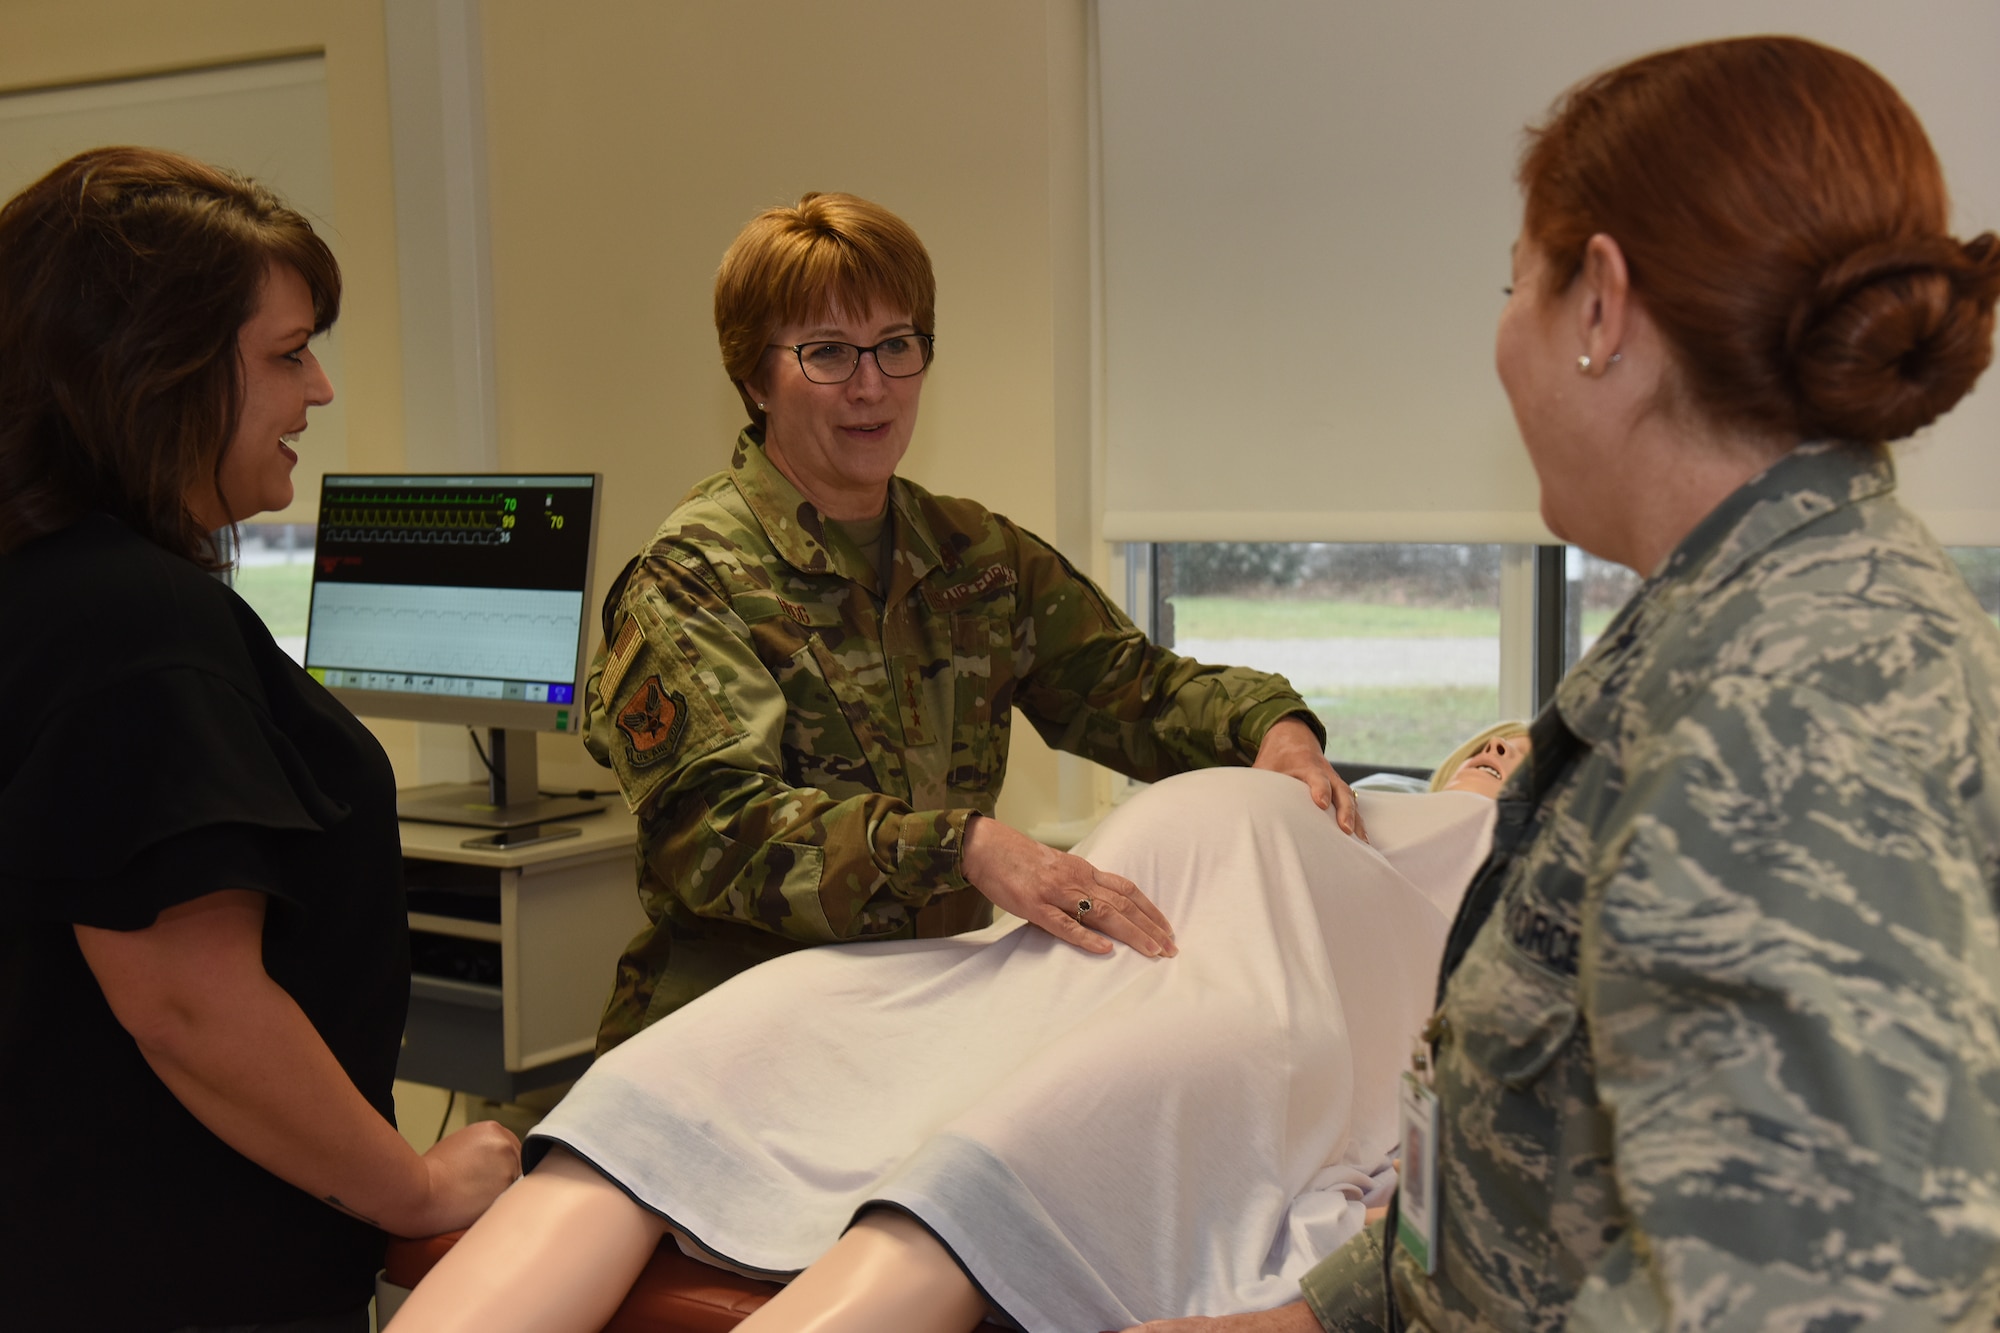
<point>508,800</point>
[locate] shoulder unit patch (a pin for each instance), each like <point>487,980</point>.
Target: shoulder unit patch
<point>653,721</point>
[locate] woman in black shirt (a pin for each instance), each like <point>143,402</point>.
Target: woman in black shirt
<point>204,962</point>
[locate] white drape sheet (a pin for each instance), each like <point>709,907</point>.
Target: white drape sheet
<point>1100,1140</point>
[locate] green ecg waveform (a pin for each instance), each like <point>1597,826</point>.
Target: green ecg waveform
<point>405,497</point>
<point>402,517</point>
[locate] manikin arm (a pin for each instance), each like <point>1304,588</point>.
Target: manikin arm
<point>1294,1318</point>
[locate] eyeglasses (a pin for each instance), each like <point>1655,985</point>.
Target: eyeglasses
<point>899,357</point>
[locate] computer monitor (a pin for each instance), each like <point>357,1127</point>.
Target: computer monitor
<point>462,599</point>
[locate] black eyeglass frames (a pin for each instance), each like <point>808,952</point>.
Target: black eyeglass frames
<point>899,357</point>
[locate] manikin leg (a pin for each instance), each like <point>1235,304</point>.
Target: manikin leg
<point>557,1252</point>
<point>887,1272</point>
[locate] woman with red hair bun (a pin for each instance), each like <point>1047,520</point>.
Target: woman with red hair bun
<point>1763,1089</point>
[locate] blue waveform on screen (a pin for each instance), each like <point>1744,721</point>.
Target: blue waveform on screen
<point>517,634</point>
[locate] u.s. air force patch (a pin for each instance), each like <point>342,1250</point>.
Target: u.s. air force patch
<point>653,720</point>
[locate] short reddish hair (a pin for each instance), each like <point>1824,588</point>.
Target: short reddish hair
<point>795,265</point>
<point>1783,219</point>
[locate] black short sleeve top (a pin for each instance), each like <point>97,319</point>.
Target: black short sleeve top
<point>157,745</point>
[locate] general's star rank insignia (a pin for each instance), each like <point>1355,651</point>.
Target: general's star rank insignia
<point>652,720</point>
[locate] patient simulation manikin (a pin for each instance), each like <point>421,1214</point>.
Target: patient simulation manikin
<point>1098,1140</point>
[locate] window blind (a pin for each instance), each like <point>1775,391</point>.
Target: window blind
<point>1306,211</point>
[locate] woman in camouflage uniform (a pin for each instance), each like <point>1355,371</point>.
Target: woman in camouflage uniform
<point>1718,1036</point>
<point>810,670</point>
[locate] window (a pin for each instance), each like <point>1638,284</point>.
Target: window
<point>1981,567</point>
<point>1402,650</point>
<point>1397,647</point>
<point>1594,590</point>
<point>274,574</point>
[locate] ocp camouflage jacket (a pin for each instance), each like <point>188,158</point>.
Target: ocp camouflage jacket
<point>803,752</point>
<point>1721,1049</point>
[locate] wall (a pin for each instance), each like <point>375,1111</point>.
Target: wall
<point>627,144</point>
<point>268,118</point>
<point>51,42</point>
<point>46,42</point>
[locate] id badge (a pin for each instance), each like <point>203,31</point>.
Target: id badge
<point>1416,1202</point>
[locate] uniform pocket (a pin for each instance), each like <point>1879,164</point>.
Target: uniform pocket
<point>821,747</point>
<point>1520,1048</point>
<point>772,884</point>
<point>982,698</point>
<point>1511,1019</point>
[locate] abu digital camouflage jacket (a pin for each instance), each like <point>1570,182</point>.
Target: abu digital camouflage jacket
<point>803,750</point>
<point>1719,1046</point>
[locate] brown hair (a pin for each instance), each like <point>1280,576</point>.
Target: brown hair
<point>793,265</point>
<point>126,275</point>
<point>1782,218</point>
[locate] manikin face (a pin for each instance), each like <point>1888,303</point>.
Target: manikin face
<point>838,443</point>
<point>1489,767</point>
<point>281,379</point>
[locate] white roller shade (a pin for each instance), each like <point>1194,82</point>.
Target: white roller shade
<point>1307,208</point>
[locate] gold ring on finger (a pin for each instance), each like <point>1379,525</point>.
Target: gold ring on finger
<point>1083,906</point>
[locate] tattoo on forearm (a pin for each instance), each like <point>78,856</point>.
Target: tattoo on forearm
<point>335,1201</point>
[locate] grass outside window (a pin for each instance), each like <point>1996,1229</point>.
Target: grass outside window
<point>280,594</point>
<point>1220,617</point>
